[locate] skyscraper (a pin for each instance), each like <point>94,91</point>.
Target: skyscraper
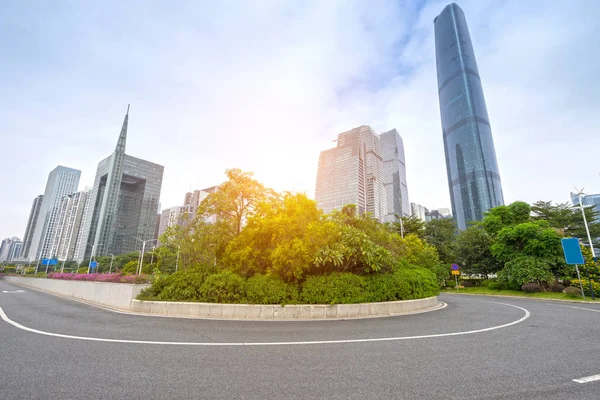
<point>68,227</point>
<point>61,182</point>
<point>31,223</point>
<point>352,173</point>
<point>123,202</point>
<point>471,165</point>
<point>10,249</point>
<point>394,175</point>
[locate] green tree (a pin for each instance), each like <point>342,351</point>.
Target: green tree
<point>568,219</point>
<point>409,225</point>
<point>473,252</point>
<point>499,217</point>
<point>440,233</point>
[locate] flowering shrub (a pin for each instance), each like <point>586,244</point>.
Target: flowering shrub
<point>113,278</point>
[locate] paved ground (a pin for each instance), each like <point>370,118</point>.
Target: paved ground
<point>516,349</point>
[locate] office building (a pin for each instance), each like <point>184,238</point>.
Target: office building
<point>31,223</point>
<point>10,249</point>
<point>352,173</point>
<point>186,214</point>
<point>61,182</point>
<point>591,200</point>
<point>123,202</point>
<point>68,229</point>
<point>419,211</point>
<point>473,176</point>
<point>394,175</point>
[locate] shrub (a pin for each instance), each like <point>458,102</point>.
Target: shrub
<point>9,270</point>
<point>493,285</point>
<point>335,288</point>
<point>224,287</point>
<point>572,291</point>
<point>181,286</point>
<point>531,288</point>
<point>557,288</point>
<point>269,289</point>
<point>451,284</point>
<point>130,268</point>
<point>403,284</point>
<point>586,286</point>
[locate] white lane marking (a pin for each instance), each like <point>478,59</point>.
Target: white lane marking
<point>579,308</point>
<point>438,335</point>
<point>588,379</point>
<point>12,291</point>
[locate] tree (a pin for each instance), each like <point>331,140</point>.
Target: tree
<point>499,217</point>
<point>568,219</point>
<point>473,252</point>
<point>534,239</point>
<point>409,225</point>
<point>236,200</point>
<point>440,233</point>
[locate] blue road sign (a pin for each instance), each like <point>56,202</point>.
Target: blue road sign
<point>49,261</point>
<point>572,251</point>
<point>93,264</point>
<point>454,267</point>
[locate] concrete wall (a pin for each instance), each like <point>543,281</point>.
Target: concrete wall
<point>288,312</point>
<point>117,295</point>
<point>122,296</point>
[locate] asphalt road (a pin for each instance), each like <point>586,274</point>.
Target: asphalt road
<point>475,348</point>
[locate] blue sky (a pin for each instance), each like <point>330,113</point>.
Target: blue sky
<point>266,85</point>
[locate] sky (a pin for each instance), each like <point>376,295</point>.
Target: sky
<point>266,85</point>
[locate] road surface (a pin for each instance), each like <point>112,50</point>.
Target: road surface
<point>475,348</point>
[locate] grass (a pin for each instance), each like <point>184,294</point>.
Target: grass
<point>540,295</point>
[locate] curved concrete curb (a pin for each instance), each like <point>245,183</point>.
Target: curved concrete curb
<point>284,313</point>
<point>121,296</point>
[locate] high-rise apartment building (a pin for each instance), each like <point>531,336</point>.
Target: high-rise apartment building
<point>352,173</point>
<point>183,215</point>
<point>31,224</point>
<point>10,249</point>
<point>394,175</point>
<point>69,228</point>
<point>473,176</point>
<point>123,202</point>
<point>590,200</point>
<point>419,211</point>
<point>61,182</point>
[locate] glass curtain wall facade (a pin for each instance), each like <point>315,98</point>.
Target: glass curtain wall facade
<point>473,176</point>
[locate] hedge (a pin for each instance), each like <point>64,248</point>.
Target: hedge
<point>337,288</point>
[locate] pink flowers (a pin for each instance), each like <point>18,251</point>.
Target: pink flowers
<point>113,278</point>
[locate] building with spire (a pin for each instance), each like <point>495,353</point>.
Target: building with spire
<point>123,203</point>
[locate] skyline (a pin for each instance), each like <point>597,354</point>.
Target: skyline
<point>331,67</point>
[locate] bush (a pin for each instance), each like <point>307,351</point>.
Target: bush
<point>9,270</point>
<point>403,284</point>
<point>557,288</point>
<point>531,288</point>
<point>269,289</point>
<point>224,287</point>
<point>493,285</point>
<point>451,284</point>
<point>572,291</point>
<point>586,286</point>
<point>335,288</point>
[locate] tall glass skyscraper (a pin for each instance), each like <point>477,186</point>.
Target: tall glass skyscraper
<point>473,175</point>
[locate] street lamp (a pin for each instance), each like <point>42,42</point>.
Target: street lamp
<point>587,230</point>
<point>141,263</point>
<point>112,257</point>
<point>92,255</point>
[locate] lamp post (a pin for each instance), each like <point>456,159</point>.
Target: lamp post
<point>112,257</point>
<point>141,263</point>
<point>177,262</point>
<point>587,230</point>
<point>62,269</point>
<point>92,255</point>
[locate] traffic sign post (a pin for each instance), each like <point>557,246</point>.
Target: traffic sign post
<point>573,256</point>
<point>455,272</point>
